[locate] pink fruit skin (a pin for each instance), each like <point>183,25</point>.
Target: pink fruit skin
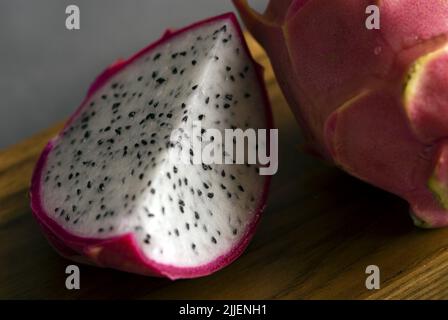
<point>122,252</point>
<point>374,102</point>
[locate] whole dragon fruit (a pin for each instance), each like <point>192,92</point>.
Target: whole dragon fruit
<point>375,102</point>
<point>106,190</point>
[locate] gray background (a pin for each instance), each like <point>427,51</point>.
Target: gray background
<point>46,69</point>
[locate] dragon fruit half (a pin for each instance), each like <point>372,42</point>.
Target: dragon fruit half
<point>106,191</point>
<point>375,102</point>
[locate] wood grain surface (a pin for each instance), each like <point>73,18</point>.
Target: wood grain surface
<point>320,231</point>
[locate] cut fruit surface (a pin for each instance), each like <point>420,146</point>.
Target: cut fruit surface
<point>112,186</point>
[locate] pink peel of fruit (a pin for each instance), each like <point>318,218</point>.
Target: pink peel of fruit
<point>374,102</point>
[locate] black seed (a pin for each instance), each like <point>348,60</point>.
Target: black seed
<point>141,176</point>
<point>157,56</point>
<point>214,240</point>
<point>140,78</point>
<point>201,116</point>
<point>131,114</point>
<point>241,188</point>
<point>144,142</point>
<point>176,232</point>
<point>101,187</point>
<point>174,70</point>
<point>210,195</point>
<point>100,230</point>
<point>194,87</point>
<point>226,105</point>
<point>153,191</point>
<point>160,80</point>
<point>193,62</point>
<point>234,231</point>
<point>193,246</point>
<point>206,186</point>
<point>104,97</point>
<point>187,226</point>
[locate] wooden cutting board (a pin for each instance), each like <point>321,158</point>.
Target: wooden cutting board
<point>320,231</point>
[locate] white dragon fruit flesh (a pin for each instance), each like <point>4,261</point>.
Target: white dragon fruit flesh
<point>106,191</point>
